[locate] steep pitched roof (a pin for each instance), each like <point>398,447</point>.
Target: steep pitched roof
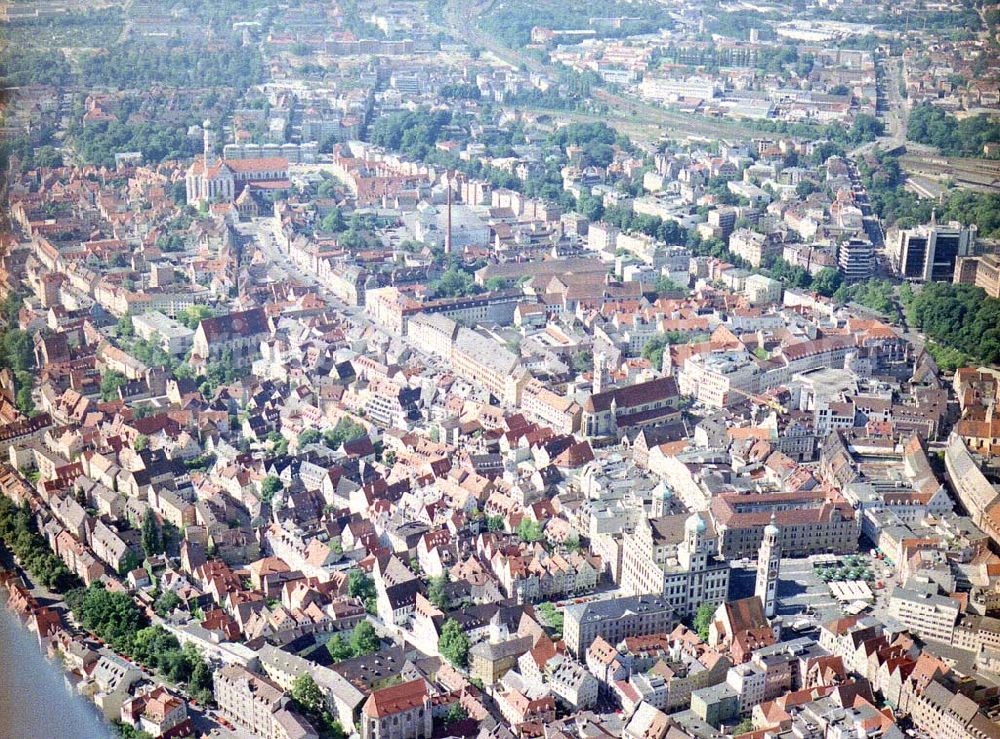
<point>235,325</point>
<point>630,396</point>
<point>396,699</point>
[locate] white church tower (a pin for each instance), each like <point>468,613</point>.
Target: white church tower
<point>768,566</point>
<point>602,374</point>
<point>208,142</point>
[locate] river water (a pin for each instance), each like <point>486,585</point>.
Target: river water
<point>34,701</point>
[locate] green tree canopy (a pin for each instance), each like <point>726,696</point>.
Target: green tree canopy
<point>347,429</point>
<point>360,585</point>
<point>19,532</point>
<point>309,436</point>
<point>166,602</point>
<point>111,381</point>
<point>306,693</point>
<point>878,295</point>
<point>454,643</point>
<point>334,222</point>
<point>529,530</point>
<point>194,315</point>
<point>653,351</point>
<point>934,126</point>
<point>961,318</point>
<point>271,485</point>
<point>703,620</point>
<point>583,361</point>
<point>309,699</point>
<point>152,541</point>
<point>112,616</point>
<point>827,281</point>
<point>338,648</point>
<point>790,275</point>
<point>364,640</point>
<point>590,206</point>
<point>497,283</point>
<point>455,283</point>
<point>17,350</point>
<point>455,713</point>
<point>666,285</point>
<point>552,618</point>
<point>437,591</point>
<point>124,328</point>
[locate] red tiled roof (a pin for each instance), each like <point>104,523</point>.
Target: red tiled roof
<point>396,699</point>
<point>242,323</point>
<point>267,164</point>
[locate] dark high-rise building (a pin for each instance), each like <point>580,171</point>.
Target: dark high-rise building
<point>929,253</point>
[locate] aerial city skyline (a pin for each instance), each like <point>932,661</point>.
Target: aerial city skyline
<point>500,369</point>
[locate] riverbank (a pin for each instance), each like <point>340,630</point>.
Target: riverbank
<point>35,700</point>
<point>24,588</point>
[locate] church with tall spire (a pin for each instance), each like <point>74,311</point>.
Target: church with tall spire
<point>214,179</point>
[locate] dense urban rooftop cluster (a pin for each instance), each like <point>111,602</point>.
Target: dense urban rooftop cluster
<point>423,369</point>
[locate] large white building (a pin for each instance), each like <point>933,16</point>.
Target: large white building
<point>675,558</point>
<point>720,379</point>
<point>927,615</point>
<point>172,337</point>
<point>559,412</point>
<point>224,179</point>
<point>761,290</point>
<point>238,333</point>
<point>613,411</point>
<point>433,332</point>
<point>429,224</point>
<point>615,619</point>
<point>752,246</point>
<point>672,89</point>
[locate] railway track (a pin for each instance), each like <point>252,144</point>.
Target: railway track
<point>632,115</point>
<point>981,172</point>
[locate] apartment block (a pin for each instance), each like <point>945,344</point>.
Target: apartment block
<point>928,615</point>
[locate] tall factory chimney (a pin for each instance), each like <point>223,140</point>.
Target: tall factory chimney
<point>447,236</point>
